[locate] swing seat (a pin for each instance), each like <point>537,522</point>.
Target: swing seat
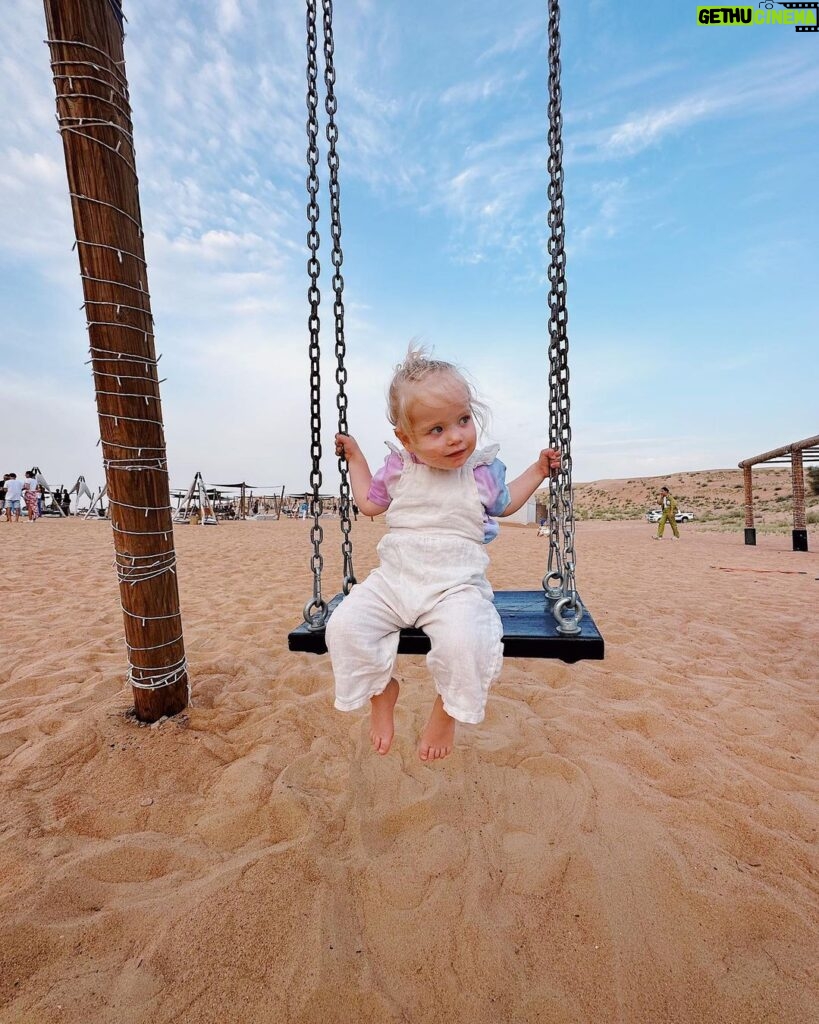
<point>529,631</point>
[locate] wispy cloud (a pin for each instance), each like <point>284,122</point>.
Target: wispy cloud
<point>779,86</point>
<point>526,33</point>
<point>631,136</point>
<point>481,89</point>
<point>610,202</point>
<point>746,90</point>
<point>229,14</point>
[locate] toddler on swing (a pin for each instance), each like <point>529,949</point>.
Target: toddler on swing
<point>439,491</point>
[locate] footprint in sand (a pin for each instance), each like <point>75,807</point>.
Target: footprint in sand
<point>510,823</point>
<point>540,805</point>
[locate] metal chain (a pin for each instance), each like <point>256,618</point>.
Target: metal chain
<point>315,611</point>
<point>331,106</point>
<point>559,581</point>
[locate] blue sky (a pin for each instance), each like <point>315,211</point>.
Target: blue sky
<point>691,212</point>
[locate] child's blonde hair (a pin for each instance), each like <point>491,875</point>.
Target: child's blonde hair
<point>419,368</point>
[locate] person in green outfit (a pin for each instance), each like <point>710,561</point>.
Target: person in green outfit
<point>668,507</point>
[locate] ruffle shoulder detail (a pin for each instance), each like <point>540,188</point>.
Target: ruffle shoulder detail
<point>402,453</point>
<point>484,456</point>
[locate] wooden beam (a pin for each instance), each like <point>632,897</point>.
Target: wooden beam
<point>808,442</point>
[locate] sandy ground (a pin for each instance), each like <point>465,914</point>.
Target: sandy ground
<point>633,840</point>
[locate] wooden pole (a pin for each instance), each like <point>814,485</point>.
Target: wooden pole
<point>800,523</point>
<point>85,38</point>
<point>750,529</point>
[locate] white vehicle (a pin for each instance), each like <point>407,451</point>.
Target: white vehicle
<point>681,517</point>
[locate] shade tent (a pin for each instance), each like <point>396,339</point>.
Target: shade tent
<point>198,496</point>
<point>244,488</point>
<point>265,494</point>
<point>41,480</point>
<point>81,488</point>
<point>97,501</point>
<point>292,501</point>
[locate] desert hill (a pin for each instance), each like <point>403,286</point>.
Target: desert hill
<point>716,496</point>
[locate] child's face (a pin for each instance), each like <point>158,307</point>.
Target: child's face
<point>442,430</point>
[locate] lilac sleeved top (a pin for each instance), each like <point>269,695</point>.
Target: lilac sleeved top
<point>490,479</point>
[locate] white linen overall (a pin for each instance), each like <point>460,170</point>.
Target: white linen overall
<point>432,575</point>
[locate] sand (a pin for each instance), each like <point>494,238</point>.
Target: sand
<point>625,841</point>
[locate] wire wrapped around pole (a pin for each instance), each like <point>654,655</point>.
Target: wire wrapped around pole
<point>94,119</point>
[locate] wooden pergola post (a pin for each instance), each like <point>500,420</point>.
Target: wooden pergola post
<point>800,523</point>
<point>750,529</point>
<point>94,115</point>
<point>796,452</point>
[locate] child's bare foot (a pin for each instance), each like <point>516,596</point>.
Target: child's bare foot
<point>438,736</point>
<point>382,724</point>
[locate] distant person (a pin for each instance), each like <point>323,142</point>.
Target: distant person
<point>14,495</point>
<point>303,510</point>
<point>3,491</point>
<point>65,502</point>
<point>30,496</point>
<point>668,512</point>
<point>355,512</point>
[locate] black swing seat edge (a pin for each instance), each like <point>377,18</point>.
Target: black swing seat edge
<point>529,631</point>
